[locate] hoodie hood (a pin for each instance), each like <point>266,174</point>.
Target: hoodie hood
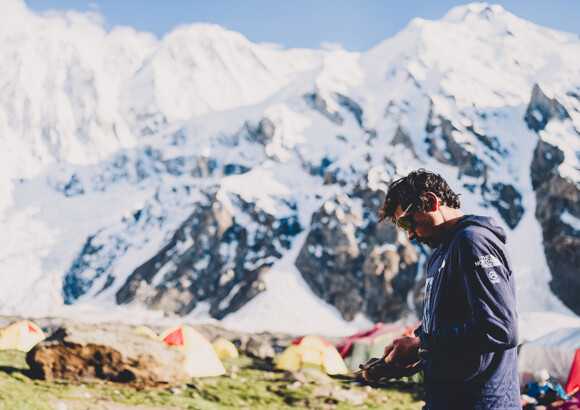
<point>486,222</point>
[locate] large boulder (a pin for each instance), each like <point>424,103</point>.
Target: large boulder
<point>105,351</point>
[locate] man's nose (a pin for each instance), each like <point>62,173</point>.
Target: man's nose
<point>411,234</point>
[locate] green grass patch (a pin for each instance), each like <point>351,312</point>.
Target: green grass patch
<point>249,384</point>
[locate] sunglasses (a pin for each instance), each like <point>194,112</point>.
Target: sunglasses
<point>405,222</point>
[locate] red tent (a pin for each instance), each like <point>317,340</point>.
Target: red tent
<point>21,335</point>
<point>574,378</point>
<point>200,357</point>
<point>558,352</point>
<point>368,336</point>
<point>361,346</point>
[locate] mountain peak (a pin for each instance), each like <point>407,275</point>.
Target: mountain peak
<point>466,12</point>
<point>203,173</point>
<point>204,32</point>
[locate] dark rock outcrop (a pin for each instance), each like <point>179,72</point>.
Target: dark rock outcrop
<point>507,200</point>
<point>75,284</point>
<point>204,167</point>
<point>317,102</point>
<point>262,133</point>
<point>215,257</point>
<point>357,265</point>
<point>401,138</point>
<point>557,200</point>
<point>545,162</point>
<point>350,105</point>
<point>235,169</point>
<point>490,142</point>
<point>460,155</point>
<point>542,109</point>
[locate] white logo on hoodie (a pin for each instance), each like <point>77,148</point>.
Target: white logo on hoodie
<point>488,261</point>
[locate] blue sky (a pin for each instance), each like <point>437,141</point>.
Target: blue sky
<point>356,25</point>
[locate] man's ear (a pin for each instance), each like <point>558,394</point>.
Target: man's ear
<point>433,201</point>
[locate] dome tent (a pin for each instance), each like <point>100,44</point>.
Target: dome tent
<point>225,348</point>
<point>360,347</point>
<point>145,331</point>
<point>21,335</point>
<point>311,352</point>
<point>201,359</point>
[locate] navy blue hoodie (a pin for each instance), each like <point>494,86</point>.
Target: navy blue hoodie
<point>469,320</point>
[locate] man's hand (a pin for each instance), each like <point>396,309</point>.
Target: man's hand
<point>400,359</point>
<point>379,370</point>
<point>375,369</point>
<point>403,352</point>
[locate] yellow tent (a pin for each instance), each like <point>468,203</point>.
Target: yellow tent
<point>225,348</point>
<point>21,335</point>
<point>145,331</point>
<point>201,359</point>
<point>311,352</point>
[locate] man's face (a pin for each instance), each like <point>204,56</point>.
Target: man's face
<point>424,228</point>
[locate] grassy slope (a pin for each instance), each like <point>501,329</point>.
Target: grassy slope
<point>250,384</point>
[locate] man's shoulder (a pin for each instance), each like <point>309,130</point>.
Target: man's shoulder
<point>473,227</point>
<point>470,233</point>
<point>475,236</point>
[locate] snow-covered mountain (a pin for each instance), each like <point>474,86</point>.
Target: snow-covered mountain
<point>202,175</point>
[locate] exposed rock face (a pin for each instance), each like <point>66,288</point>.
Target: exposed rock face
<point>545,163</point>
<point>507,200</point>
<point>235,169</point>
<point>489,142</point>
<point>263,132</point>
<point>355,264</point>
<point>350,105</point>
<point>317,102</point>
<point>204,167</point>
<point>542,109</point>
<point>215,257</point>
<point>558,201</point>
<point>401,138</point>
<point>449,151</point>
<point>110,352</point>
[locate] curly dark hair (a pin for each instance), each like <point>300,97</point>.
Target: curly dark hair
<point>410,189</point>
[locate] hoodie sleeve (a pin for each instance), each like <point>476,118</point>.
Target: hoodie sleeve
<point>484,268</point>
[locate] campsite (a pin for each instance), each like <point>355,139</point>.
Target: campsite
<point>56,364</point>
<point>252,376</point>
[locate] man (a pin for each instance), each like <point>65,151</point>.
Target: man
<point>542,391</point>
<point>466,344</point>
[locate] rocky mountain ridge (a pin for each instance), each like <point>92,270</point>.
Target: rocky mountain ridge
<point>181,174</point>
